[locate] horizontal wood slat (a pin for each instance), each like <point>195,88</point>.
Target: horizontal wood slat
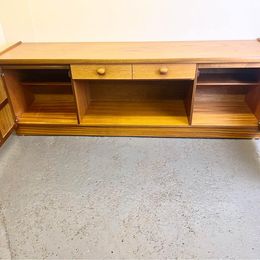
<point>134,52</point>
<point>208,132</point>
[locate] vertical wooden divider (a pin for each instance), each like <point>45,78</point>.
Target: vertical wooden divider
<point>253,101</point>
<point>82,97</point>
<point>189,101</point>
<point>74,94</point>
<point>19,96</point>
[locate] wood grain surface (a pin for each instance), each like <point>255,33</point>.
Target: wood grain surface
<point>134,52</point>
<point>194,132</point>
<point>152,113</point>
<point>50,109</point>
<point>172,71</point>
<point>109,71</point>
<point>3,95</point>
<point>6,120</point>
<point>133,89</point>
<point>213,109</point>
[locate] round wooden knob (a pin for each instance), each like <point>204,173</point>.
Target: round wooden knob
<point>101,71</point>
<point>163,70</point>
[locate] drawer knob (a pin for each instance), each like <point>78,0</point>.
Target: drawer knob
<point>101,71</point>
<point>163,70</point>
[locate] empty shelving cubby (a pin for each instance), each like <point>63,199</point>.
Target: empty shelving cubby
<point>133,103</point>
<point>41,96</point>
<point>227,97</point>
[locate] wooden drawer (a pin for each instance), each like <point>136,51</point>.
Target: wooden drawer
<point>101,71</point>
<point>164,71</point>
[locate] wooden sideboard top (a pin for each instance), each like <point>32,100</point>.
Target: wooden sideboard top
<point>133,52</point>
<point>4,47</point>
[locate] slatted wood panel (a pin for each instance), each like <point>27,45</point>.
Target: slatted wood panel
<point>218,109</point>
<point>6,120</point>
<point>3,95</point>
<point>210,132</point>
<point>146,113</point>
<point>50,109</point>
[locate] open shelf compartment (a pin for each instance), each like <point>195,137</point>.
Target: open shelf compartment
<point>41,96</point>
<point>229,77</point>
<point>227,97</point>
<point>133,103</point>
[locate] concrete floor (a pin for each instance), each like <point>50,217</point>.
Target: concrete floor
<point>80,197</point>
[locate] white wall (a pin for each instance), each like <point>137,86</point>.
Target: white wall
<point>2,37</point>
<point>129,20</point>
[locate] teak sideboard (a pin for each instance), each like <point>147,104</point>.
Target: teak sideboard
<point>167,89</point>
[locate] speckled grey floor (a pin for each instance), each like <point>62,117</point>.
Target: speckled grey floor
<point>79,197</point>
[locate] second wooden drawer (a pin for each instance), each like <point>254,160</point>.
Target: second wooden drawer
<point>102,71</point>
<point>164,71</point>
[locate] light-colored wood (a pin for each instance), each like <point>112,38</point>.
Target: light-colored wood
<point>6,121</point>
<point>137,90</point>
<point>82,96</point>
<point>253,101</point>
<point>194,132</point>
<point>170,71</point>
<point>8,46</point>
<point>20,97</point>
<point>3,103</point>
<point>99,71</point>
<point>24,83</point>
<point>189,100</point>
<point>3,95</point>
<point>50,109</point>
<point>134,52</point>
<point>164,70</point>
<point>116,113</point>
<point>136,103</point>
<point>228,65</point>
<point>40,102</point>
<point>224,80</point>
<point>222,109</point>
<point>120,89</point>
<point>28,67</point>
